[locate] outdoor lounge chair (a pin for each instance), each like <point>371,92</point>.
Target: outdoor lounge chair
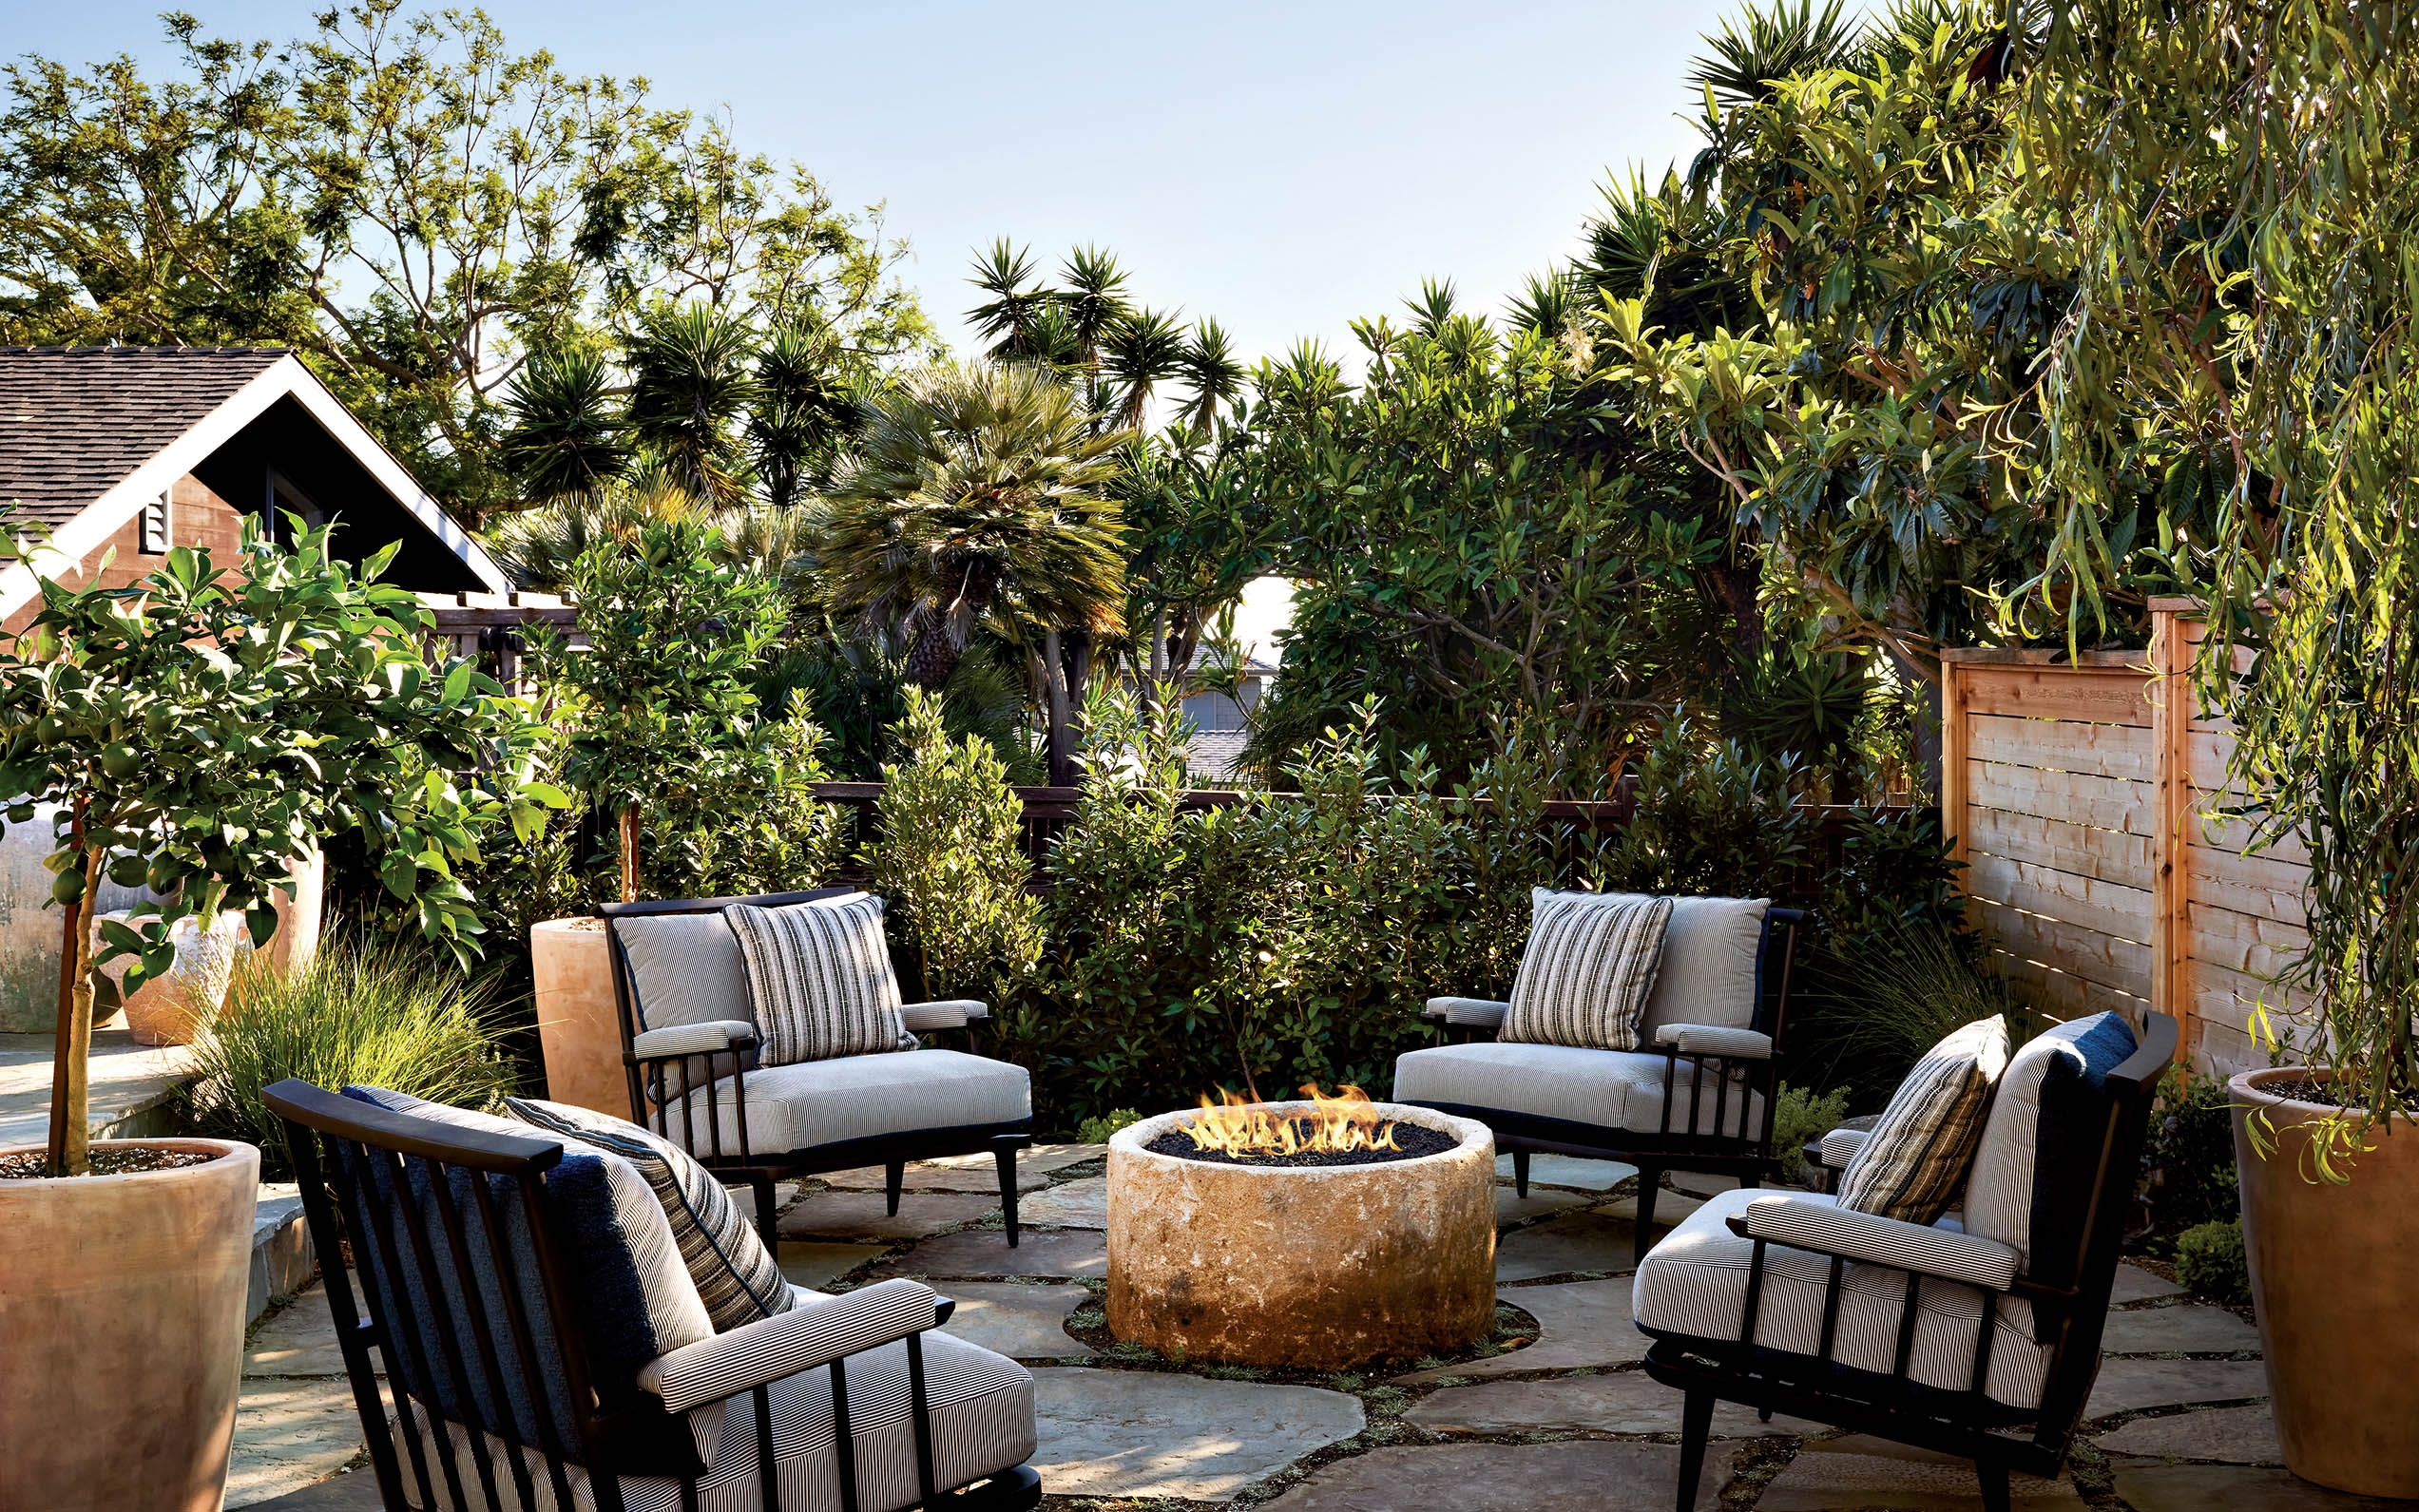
<point>544,1346</point>
<point>690,1043</point>
<point>1697,1097</point>
<point>1787,1302</point>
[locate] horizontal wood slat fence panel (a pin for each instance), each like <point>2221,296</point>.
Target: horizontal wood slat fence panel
<point>2078,795</point>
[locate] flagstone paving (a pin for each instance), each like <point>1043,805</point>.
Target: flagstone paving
<point>1576,1242</point>
<point>1020,1321</point>
<point>1865,1472</point>
<point>1081,1253</point>
<point>1584,1324</point>
<point>970,1172</point>
<point>1458,1436</point>
<point>2233,1435</point>
<point>1579,1476</point>
<point>1082,1204</point>
<point>1570,1170</point>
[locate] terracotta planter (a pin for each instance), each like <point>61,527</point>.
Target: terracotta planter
<point>579,1033</point>
<point>2338,1314</point>
<point>122,1305</point>
<point>175,1009</point>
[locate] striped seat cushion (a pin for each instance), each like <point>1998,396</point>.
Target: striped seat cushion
<point>1693,1286</point>
<point>1586,976</point>
<point>735,1279</point>
<point>816,1103</point>
<point>2032,1179</point>
<point>1603,1089</point>
<point>1712,971</point>
<point>982,1414</point>
<point>820,979</point>
<point>1913,1164</point>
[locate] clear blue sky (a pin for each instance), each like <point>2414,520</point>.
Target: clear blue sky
<point>1284,167</point>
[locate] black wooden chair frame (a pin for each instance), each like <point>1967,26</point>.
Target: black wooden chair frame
<point>1966,1424</point>
<point>761,1169</point>
<point>1746,1155</point>
<point>332,1138</point>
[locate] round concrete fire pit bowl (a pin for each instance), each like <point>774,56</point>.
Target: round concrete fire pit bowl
<point>1319,1267</point>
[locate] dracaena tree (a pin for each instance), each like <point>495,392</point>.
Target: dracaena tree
<point>207,726</point>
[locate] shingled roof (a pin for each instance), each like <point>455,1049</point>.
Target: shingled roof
<point>74,421</point>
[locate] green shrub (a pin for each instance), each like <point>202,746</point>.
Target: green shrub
<point>2188,1161</point>
<point>950,861</point>
<point>1713,816</point>
<point>2210,1260</point>
<point>390,1015</point>
<point>1097,1131</point>
<point>1874,1002</point>
<point>1799,1118</point>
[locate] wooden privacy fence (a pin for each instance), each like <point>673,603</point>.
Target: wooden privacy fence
<point>2081,796</point>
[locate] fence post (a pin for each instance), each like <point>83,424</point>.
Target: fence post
<point>1953,744</point>
<point>2171,706</point>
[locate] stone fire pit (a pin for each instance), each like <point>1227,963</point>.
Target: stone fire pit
<point>1321,1267</point>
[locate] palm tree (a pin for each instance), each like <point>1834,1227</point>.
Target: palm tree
<point>973,488</point>
<point>1141,350</point>
<point>563,434</point>
<point>692,380</point>
<point>1210,369</point>
<point>802,414</point>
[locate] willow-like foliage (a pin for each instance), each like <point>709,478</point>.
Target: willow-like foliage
<point>2271,151</point>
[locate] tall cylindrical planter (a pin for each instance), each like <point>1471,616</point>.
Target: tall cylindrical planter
<point>2338,1312</point>
<point>579,1032</point>
<point>122,1312</point>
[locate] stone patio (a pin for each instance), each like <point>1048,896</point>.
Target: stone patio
<point>1568,1420</point>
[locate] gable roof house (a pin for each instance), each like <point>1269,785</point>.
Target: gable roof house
<point>144,449</point>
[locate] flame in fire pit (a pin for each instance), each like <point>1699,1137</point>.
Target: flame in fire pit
<point>1338,1124</point>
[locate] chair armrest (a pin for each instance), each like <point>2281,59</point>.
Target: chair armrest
<point>1706,1039</point>
<point>691,1039</point>
<point>810,1334</point>
<point>949,1013</point>
<point>1840,1146</point>
<point>1828,1230</point>
<point>1468,1013</point>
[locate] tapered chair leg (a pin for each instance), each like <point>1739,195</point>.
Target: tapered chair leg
<point>1696,1427</point>
<point>1649,1182</point>
<point>893,1177</point>
<point>1520,1173</point>
<point>1994,1486</point>
<point>1003,1151</point>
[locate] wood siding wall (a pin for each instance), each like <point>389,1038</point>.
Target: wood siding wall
<point>2079,797</point>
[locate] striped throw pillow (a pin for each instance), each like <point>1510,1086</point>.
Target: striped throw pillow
<point>1589,967</point>
<point>735,1279</point>
<point>1915,1163</point>
<point>820,979</point>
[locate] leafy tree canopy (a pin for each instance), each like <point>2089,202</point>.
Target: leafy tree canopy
<point>414,206</point>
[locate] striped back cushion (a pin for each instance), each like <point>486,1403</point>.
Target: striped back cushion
<point>735,1279</point>
<point>1590,965</point>
<point>1915,1163</point>
<point>820,979</point>
<point>2034,1170</point>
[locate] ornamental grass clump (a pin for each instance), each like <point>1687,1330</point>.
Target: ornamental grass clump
<point>388,1015</point>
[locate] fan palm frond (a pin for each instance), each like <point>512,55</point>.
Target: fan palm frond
<point>972,486</point>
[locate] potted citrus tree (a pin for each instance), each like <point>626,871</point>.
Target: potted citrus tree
<point>661,701</point>
<point>200,732</point>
